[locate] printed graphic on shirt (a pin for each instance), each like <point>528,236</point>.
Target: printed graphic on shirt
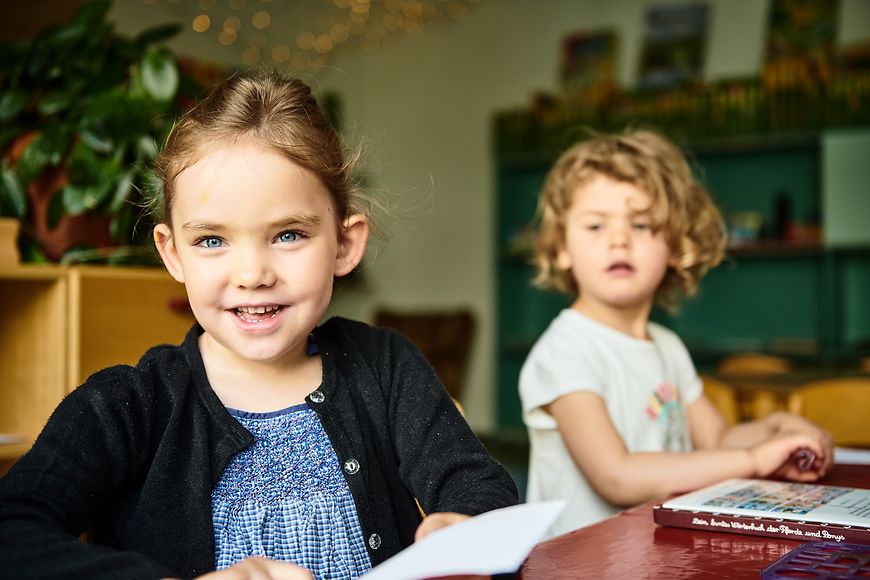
<point>665,407</point>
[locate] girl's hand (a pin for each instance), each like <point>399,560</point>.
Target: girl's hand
<point>775,457</point>
<point>259,568</point>
<point>437,521</point>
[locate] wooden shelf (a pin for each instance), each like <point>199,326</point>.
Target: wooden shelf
<point>64,323</point>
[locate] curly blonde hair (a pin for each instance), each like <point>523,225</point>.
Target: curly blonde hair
<point>681,208</point>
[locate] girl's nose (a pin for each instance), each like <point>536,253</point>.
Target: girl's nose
<point>253,270</point>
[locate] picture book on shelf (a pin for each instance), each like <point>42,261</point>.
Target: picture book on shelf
<point>795,511</point>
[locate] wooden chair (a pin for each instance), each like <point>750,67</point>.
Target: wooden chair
<point>840,405</point>
<point>752,363</point>
<point>724,398</point>
<point>444,338</point>
<point>760,402</point>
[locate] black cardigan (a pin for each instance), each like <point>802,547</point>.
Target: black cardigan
<point>134,453</point>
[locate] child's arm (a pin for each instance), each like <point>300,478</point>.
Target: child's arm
<point>624,478</point>
<point>709,431</point>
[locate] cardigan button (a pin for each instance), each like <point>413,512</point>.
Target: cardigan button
<point>351,466</point>
<point>317,397</point>
<point>374,541</point>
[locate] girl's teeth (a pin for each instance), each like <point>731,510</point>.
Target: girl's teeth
<point>257,313</point>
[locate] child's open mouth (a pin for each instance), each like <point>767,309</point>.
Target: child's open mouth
<point>257,314</point>
<point>620,268</point>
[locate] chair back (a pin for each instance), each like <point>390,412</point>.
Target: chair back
<point>840,405</point>
<point>752,363</point>
<point>724,398</point>
<point>444,338</point>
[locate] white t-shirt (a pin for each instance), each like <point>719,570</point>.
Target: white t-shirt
<point>646,386</point>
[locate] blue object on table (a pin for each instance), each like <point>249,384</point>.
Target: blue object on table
<point>821,560</point>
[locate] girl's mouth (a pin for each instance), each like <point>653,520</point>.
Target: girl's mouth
<point>257,314</point>
<point>620,268</point>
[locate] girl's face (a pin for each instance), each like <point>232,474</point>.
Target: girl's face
<point>256,241</point>
<point>616,258</point>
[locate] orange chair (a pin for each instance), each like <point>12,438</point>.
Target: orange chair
<point>724,398</point>
<point>841,405</point>
<point>752,363</point>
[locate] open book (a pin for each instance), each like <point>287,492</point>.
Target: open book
<point>796,511</point>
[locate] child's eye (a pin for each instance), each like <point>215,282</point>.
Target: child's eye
<point>593,227</point>
<point>209,242</point>
<point>289,237</point>
<point>641,225</point>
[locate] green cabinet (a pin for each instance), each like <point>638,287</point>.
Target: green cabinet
<point>804,299</point>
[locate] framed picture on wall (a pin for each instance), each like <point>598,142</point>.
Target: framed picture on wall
<point>589,61</point>
<point>674,46</point>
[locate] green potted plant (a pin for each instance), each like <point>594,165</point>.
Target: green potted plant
<point>82,113</point>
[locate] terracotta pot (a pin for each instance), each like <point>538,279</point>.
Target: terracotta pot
<point>89,229</point>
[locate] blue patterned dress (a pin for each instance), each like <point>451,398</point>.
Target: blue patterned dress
<point>285,497</point>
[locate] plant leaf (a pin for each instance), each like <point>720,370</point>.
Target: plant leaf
<point>78,199</point>
<point>159,74</point>
<point>93,13</point>
<point>146,148</point>
<point>13,202</point>
<point>54,103</point>
<point>11,103</point>
<point>122,191</point>
<point>33,160</point>
<point>97,142</point>
<point>157,34</point>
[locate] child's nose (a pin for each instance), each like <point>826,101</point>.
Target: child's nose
<point>253,270</point>
<point>619,236</point>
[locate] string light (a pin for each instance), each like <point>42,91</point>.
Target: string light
<point>307,33</point>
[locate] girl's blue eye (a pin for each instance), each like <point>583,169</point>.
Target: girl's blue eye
<point>641,226</point>
<point>288,237</point>
<point>210,242</point>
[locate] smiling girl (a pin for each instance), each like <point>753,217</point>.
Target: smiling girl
<point>267,445</point>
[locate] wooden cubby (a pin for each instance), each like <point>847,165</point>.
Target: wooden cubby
<point>60,324</point>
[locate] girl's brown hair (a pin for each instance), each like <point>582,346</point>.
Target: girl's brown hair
<point>681,208</point>
<point>276,111</point>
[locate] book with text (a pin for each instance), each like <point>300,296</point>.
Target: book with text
<point>795,511</point>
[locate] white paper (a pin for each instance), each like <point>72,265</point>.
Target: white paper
<point>847,456</point>
<point>495,542</point>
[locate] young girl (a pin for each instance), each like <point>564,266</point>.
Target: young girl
<point>613,404</point>
<point>263,437</point>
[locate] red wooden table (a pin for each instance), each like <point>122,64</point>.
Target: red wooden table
<point>631,545</point>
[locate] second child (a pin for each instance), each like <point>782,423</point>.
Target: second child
<point>614,406</point>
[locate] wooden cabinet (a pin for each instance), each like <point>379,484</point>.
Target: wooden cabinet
<point>60,324</point>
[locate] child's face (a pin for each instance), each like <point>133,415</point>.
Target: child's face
<point>615,257</point>
<point>256,241</point>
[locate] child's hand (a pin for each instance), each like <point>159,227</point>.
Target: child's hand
<point>789,423</point>
<point>259,568</point>
<point>437,521</point>
<point>775,457</point>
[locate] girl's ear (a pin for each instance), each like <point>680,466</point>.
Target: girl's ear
<point>353,237</point>
<point>165,243</point>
